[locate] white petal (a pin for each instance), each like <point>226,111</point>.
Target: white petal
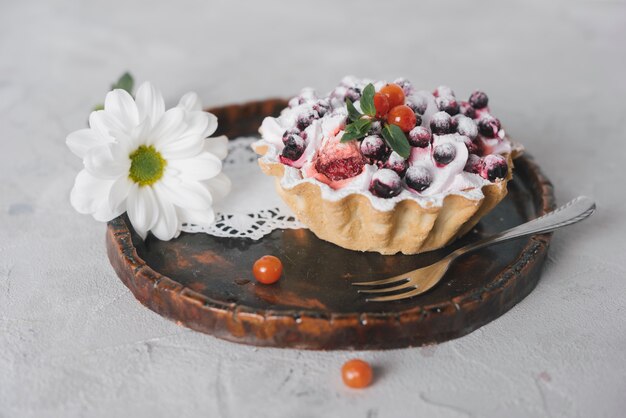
<point>186,146</point>
<point>201,167</point>
<point>149,102</point>
<point>119,194</point>
<point>151,201</point>
<point>89,193</point>
<point>217,146</point>
<point>169,128</point>
<point>198,122</point>
<point>105,214</point>
<point>90,196</point>
<point>219,186</point>
<point>107,161</point>
<point>81,141</point>
<point>105,125</point>
<point>190,142</point>
<point>190,102</point>
<point>167,225</point>
<point>122,107</point>
<point>186,194</point>
<point>138,212</point>
<point>212,126</point>
<point>195,217</point>
<point>143,209</point>
<point>127,144</point>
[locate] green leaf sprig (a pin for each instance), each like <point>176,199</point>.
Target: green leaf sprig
<point>397,140</point>
<point>356,130</point>
<point>361,123</point>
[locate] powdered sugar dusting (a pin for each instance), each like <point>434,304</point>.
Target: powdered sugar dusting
<point>386,176</point>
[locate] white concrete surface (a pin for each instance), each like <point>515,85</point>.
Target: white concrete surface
<point>74,342</point>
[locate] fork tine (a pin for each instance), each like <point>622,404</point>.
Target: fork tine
<point>387,289</point>
<point>406,295</point>
<point>383,281</point>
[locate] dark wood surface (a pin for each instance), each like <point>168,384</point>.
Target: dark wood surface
<point>206,284</point>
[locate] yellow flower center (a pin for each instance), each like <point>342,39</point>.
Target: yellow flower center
<point>146,165</point>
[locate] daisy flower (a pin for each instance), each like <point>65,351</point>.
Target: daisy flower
<point>156,165</point>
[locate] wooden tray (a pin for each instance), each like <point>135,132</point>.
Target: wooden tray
<point>205,283</point>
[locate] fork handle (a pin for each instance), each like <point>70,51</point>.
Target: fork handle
<point>570,213</point>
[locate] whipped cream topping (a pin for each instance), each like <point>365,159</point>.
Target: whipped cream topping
<point>324,120</point>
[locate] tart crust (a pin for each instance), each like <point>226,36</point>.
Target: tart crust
<point>409,228</point>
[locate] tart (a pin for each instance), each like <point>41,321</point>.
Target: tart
<point>378,166</point>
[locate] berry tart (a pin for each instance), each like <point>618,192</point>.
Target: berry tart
<point>378,166</point>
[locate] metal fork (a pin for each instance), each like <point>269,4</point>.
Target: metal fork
<point>421,280</point>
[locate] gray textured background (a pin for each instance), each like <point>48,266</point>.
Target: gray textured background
<point>74,342</point>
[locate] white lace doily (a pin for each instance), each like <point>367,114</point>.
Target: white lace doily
<point>252,209</point>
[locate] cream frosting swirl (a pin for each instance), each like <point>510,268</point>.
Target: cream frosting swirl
<point>447,179</point>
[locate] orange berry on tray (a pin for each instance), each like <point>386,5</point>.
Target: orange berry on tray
<point>403,116</point>
<point>267,269</point>
<point>381,103</point>
<point>356,374</point>
<point>394,94</point>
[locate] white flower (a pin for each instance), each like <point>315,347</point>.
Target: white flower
<point>156,165</point>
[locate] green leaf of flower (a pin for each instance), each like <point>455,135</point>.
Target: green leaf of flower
<point>353,114</point>
<point>397,140</point>
<point>125,82</point>
<point>367,100</point>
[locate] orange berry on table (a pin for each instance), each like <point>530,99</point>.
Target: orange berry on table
<point>403,116</point>
<point>394,94</point>
<point>267,269</point>
<point>356,374</point>
<point>381,103</point>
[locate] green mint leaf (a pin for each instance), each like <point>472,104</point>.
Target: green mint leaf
<point>349,136</point>
<point>367,100</point>
<point>352,128</point>
<point>397,140</point>
<point>356,130</point>
<point>353,114</point>
<point>363,125</point>
<point>125,82</point>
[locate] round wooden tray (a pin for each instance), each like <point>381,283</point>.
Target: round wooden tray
<point>205,283</point>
